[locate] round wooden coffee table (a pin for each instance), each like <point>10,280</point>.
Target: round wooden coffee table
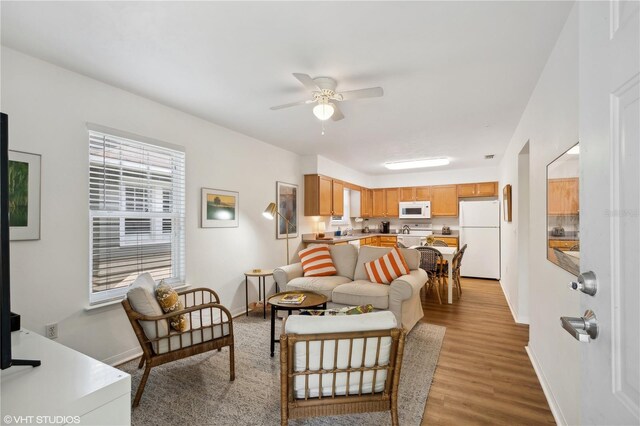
<point>313,300</point>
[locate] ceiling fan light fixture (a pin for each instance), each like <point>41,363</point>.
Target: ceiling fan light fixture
<point>416,164</point>
<point>323,111</point>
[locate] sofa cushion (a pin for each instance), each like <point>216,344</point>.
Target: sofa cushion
<point>321,285</point>
<point>387,268</point>
<point>369,253</point>
<point>362,292</point>
<point>302,324</point>
<point>316,261</point>
<point>142,297</point>
<point>344,258</point>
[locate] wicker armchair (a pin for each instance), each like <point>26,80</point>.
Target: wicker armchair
<point>360,369</point>
<point>210,327</point>
<point>432,262</point>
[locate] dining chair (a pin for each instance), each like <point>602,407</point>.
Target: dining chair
<point>438,243</point>
<point>456,272</point>
<point>432,263</point>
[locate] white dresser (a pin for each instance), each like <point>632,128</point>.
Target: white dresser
<point>67,386</point>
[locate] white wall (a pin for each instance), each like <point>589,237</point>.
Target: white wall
<point>48,108</point>
<point>550,124</point>
<point>437,177</point>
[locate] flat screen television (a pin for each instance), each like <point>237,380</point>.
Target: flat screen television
<point>6,359</point>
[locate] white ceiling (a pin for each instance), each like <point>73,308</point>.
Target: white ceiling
<point>456,75</point>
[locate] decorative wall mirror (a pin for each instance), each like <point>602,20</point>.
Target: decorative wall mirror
<point>563,210</point>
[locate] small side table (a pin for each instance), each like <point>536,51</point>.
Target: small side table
<point>262,293</point>
<point>313,300</point>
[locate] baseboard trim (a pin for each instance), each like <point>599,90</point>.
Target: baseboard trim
<point>551,400</point>
<point>516,318</point>
<point>125,356</point>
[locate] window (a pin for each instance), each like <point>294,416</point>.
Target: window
<point>136,212</point>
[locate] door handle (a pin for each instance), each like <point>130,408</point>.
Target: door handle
<point>587,283</point>
<point>584,328</point>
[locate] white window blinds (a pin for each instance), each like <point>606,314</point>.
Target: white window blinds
<point>136,212</point>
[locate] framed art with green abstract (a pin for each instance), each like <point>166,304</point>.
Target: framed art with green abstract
<point>24,196</point>
<point>220,209</point>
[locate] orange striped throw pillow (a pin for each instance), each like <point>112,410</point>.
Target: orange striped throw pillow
<point>316,261</point>
<point>387,268</point>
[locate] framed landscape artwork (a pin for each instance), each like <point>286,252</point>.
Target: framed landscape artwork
<point>220,209</point>
<point>287,199</point>
<point>24,196</point>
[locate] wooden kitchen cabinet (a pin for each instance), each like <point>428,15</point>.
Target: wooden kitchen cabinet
<point>337,194</point>
<point>377,203</point>
<point>450,241</point>
<point>385,202</point>
<point>482,189</point>
<point>392,208</point>
<point>390,241</point>
<point>366,201</point>
<point>444,200</point>
<point>323,196</point>
<point>563,245</point>
<point>563,197</point>
<point>415,193</point>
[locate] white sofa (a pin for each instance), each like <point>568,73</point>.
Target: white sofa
<point>351,286</point>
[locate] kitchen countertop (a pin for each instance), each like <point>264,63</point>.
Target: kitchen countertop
<point>359,236</point>
<point>569,235</point>
<point>347,238</point>
<point>454,234</point>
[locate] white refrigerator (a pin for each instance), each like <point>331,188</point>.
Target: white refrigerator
<point>480,230</point>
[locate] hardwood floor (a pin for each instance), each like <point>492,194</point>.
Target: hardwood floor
<point>484,375</point>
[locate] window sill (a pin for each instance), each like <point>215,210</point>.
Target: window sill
<point>117,300</point>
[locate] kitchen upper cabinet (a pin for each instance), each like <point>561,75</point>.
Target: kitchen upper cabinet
<point>385,202</point>
<point>563,197</point>
<point>391,202</point>
<point>423,193</point>
<point>377,204</point>
<point>323,196</point>
<point>337,193</point>
<point>482,189</point>
<point>366,201</point>
<point>444,200</point>
<point>415,193</point>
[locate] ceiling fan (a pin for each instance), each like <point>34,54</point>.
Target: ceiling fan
<point>323,90</point>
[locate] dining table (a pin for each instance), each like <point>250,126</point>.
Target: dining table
<point>447,254</point>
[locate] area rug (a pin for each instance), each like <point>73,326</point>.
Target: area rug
<point>197,390</point>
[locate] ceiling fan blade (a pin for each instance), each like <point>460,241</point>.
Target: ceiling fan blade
<point>292,104</point>
<point>372,92</point>
<point>307,82</point>
<point>337,114</point>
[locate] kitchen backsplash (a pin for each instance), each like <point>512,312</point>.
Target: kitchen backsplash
<point>435,223</point>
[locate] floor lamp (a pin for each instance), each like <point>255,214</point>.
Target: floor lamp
<point>270,213</point>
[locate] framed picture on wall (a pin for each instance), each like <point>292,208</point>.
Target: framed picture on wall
<point>506,202</point>
<point>24,196</point>
<point>287,199</point>
<point>220,209</point>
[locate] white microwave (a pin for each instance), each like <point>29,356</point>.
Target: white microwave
<point>415,210</point>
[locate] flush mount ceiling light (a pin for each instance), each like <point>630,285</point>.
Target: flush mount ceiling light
<point>324,110</point>
<point>415,164</point>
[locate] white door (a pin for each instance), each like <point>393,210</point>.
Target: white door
<point>610,209</point>
<point>480,213</point>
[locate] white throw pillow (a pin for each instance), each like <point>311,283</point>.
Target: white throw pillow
<point>142,297</point>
